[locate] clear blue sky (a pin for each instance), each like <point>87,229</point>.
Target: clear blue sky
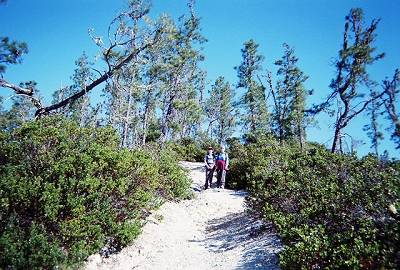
<point>56,32</point>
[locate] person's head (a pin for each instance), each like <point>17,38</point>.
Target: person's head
<point>210,150</point>
<point>222,149</point>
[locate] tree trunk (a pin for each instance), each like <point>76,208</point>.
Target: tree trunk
<point>170,110</point>
<point>300,136</point>
<point>84,110</point>
<point>125,131</point>
<point>146,117</point>
<point>336,140</point>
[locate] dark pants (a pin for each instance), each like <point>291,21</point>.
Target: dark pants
<point>209,176</point>
<point>221,178</point>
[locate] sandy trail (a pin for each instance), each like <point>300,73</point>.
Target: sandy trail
<point>211,231</point>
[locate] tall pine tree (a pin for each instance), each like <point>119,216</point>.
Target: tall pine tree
<point>78,110</point>
<point>356,54</point>
<point>390,99</point>
<point>219,108</point>
<point>289,120</point>
<point>255,117</point>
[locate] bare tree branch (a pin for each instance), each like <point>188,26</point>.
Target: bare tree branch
<point>17,89</point>
<point>101,79</point>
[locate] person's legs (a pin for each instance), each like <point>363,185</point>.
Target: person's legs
<point>219,176</point>
<point>223,174</point>
<point>210,176</point>
<point>207,173</point>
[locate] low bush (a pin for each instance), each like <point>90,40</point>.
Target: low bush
<point>189,149</point>
<point>174,180</point>
<point>66,192</point>
<point>332,211</point>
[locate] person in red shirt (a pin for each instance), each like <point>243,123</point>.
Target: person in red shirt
<point>222,163</point>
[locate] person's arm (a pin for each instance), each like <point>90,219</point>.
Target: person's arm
<point>205,162</point>
<point>227,162</point>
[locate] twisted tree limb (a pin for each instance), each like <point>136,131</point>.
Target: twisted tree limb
<point>41,110</point>
<point>17,89</point>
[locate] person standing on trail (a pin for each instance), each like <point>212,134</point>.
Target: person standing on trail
<point>222,163</point>
<point>209,161</point>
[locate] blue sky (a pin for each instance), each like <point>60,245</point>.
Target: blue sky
<point>57,34</point>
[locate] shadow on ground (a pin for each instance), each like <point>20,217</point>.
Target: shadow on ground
<point>260,244</point>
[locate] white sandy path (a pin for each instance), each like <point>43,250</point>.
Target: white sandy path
<point>211,231</point>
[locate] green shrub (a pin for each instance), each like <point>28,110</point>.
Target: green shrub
<point>332,211</point>
<point>66,191</point>
<point>189,149</point>
<point>176,181</point>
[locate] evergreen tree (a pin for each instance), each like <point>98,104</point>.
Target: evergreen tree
<point>373,128</point>
<point>356,54</point>
<point>126,91</point>
<point>22,109</point>
<point>289,119</point>
<point>255,118</point>
<point>181,79</point>
<point>78,110</point>
<point>11,52</point>
<point>164,78</point>
<point>390,98</point>
<point>220,110</point>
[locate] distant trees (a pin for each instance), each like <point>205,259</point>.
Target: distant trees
<point>152,74</point>
<point>287,119</point>
<point>181,79</point>
<point>116,56</point>
<point>154,85</point>
<point>159,89</point>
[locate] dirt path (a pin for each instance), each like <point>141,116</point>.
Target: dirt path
<point>211,231</point>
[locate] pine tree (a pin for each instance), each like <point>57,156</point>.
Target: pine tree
<point>289,119</point>
<point>356,54</point>
<point>125,91</point>
<point>373,128</point>
<point>79,110</point>
<point>390,98</point>
<point>255,118</point>
<point>181,79</point>
<point>11,52</point>
<point>351,69</point>
<point>22,109</point>
<point>164,80</point>
<point>220,110</point>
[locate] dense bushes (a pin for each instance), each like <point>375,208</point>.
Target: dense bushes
<point>192,150</point>
<point>332,211</point>
<point>66,192</point>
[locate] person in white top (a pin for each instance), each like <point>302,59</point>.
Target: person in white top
<point>209,161</point>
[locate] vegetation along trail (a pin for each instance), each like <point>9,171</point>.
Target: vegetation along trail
<point>211,231</point>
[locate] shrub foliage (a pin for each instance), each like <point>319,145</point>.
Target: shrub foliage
<point>332,211</point>
<point>190,149</point>
<point>66,192</point>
